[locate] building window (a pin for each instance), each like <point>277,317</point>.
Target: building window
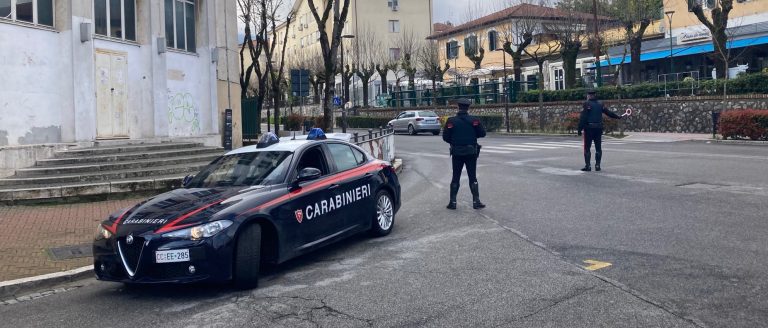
<point>394,26</point>
<point>493,40</point>
<point>38,12</point>
<point>470,45</point>
<point>394,53</point>
<point>705,4</point>
<point>115,18</point>
<point>452,49</point>
<point>559,81</point>
<point>180,24</point>
<point>393,5</point>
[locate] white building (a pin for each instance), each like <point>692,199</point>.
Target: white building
<point>81,71</point>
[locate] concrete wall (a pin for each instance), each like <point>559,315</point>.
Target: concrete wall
<point>680,114</point>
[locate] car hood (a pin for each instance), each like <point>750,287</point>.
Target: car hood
<point>176,209</point>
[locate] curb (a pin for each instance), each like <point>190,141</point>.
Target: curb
<point>742,142</point>
<point>11,288</point>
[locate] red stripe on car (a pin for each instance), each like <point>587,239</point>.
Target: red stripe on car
<point>113,228</point>
<point>172,225</point>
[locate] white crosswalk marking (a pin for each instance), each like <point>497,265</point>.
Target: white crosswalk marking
<point>495,151</point>
<point>553,144</point>
<point>530,146</point>
<point>508,148</point>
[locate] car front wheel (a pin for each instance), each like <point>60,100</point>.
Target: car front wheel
<point>247,257</point>
<point>384,216</point>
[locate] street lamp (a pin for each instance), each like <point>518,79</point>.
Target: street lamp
<point>504,88</point>
<point>669,16</point>
<point>344,86</point>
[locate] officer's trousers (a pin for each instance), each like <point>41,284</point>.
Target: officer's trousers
<point>596,136</point>
<point>459,162</point>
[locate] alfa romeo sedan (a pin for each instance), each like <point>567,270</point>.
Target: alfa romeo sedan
<point>251,206</point>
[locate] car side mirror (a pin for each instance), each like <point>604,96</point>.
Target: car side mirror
<point>307,174</point>
<point>187,179</point>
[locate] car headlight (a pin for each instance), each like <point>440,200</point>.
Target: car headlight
<point>102,233</point>
<point>201,231</point>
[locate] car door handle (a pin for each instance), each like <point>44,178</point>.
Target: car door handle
<point>333,186</point>
<point>368,175</point>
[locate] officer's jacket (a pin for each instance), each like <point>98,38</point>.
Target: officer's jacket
<point>463,129</point>
<point>592,115</point>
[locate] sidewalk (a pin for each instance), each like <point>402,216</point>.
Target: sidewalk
<point>30,232</point>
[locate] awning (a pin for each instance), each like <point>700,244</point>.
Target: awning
<point>686,51</point>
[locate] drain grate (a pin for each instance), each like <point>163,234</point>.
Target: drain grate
<point>71,252</point>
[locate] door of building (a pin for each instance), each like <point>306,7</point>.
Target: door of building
<point>111,95</point>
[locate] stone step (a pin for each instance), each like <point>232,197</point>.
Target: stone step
<point>128,156</point>
<point>103,176</point>
<point>129,148</point>
<point>76,190</point>
<point>98,167</point>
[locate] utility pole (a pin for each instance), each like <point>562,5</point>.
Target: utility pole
<point>598,71</point>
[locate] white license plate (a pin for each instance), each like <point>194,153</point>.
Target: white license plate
<point>176,255</point>
<point>431,121</point>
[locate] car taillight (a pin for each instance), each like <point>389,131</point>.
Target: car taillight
<point>419,119</point>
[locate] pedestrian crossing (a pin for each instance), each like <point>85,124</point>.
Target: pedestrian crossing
<point>510,148</point>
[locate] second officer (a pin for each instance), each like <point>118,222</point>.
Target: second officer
<point>461,132</point>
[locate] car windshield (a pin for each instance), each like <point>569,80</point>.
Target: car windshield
<point>245,169</point>
<point>427,114</point>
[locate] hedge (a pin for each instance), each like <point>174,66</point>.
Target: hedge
<point>360,122</point>
<point>744,84</point>
<point>741,124</point>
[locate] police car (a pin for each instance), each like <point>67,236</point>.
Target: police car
<point>258,204</point>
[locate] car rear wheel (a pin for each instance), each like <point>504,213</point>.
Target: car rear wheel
<point>247,257</point>
<point>434,133</point>
<point>384,216</point>
<point>411,130</point>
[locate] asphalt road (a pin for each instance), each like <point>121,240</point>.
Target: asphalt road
<point>682,225</point>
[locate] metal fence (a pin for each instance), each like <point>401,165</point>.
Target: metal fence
<point>251,119</point>
<point>484,93</point>
<point>679,82</point>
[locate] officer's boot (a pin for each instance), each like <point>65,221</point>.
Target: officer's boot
<point>587,157</point>
<point>476,204</point>
<point>598,157</point>
<point>452,201</point>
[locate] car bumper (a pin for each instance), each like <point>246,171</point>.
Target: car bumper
<point>428,127</point>
<point>210,257</point>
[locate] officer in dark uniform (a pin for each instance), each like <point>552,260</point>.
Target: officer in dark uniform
<point>591,122</point>
<point>462,131</point>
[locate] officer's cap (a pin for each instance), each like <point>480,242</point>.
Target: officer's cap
<point>463,102</point>
<point>591,91</point>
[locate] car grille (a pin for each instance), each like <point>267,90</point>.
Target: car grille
<point>131,254</point>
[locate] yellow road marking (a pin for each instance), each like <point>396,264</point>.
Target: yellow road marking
<point>596,265</point>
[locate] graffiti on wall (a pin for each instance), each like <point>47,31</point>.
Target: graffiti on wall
<point>183,113</point>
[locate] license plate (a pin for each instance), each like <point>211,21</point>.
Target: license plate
<point>430,121</point>
<point>176,255</point>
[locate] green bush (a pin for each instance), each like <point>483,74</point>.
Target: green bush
<point>744,84</point>
<point>361,122</point>
<point>491,122</point>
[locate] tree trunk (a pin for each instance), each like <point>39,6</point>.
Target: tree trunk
<point>383,76</point>
<point>276,106</point>
<point>721,54</point>
<point>517,64</point>
<point>569,65</point>
<point>541,95</point>
<point>364,80</point>
<point>635,47</point>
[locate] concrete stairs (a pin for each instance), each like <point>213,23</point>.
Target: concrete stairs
<point>101,171</point>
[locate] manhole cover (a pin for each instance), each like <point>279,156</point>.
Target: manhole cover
<point>71,252</point>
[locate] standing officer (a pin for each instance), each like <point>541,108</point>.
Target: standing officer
<point>591,122</point>
<point>462,131</point>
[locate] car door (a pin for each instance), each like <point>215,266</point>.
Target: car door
<point>355,192</point>
<point>397,124</point>
<point>409,119</point>
<point>309,205</point>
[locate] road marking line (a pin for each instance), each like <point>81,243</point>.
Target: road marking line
<point>507,148</point>
<point>596,265</point>
<point>555,144</point>
<point>535,147</point>
<point>495,151</point>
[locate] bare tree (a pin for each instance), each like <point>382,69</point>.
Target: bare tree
<point>385,63</point>
<point>254,44</point>
<point>329,46</point>
<point>366,44</point>
<point>717,25</point>
<point>543,50</point>
<point>635,16</point>
<point>316,75</point>
<point>571,32</point>
<point>409,47</point>
<point>429,59</point>
<point>517,32</point>
<point>275,62</point>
